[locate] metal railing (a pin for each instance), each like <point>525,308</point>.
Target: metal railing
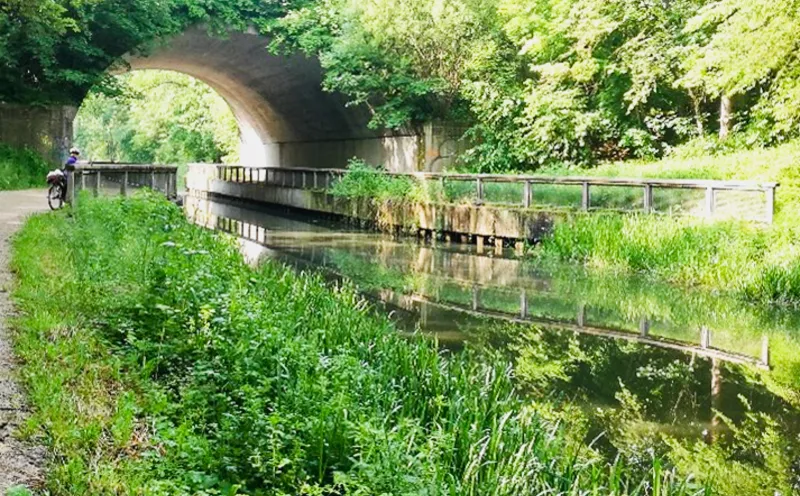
<point>110,179</point>
<point>321,179</point>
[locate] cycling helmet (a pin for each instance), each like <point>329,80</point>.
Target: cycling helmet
<point>74,151</point>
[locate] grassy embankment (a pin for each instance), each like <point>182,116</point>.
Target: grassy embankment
<point>754,262</point>
<point>157,362</point>
<point>21,169</point>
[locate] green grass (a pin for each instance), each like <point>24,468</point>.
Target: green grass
<point>157,362</point>
<point>21,169</point>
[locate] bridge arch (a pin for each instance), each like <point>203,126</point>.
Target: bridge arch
<point>285,117</point>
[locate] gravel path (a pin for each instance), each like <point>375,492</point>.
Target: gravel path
<point>19,462</point>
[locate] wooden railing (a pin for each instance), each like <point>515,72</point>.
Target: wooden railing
<point>321,179</point>
<point>111,178</point>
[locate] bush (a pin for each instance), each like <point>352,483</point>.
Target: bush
<point>21,169</point>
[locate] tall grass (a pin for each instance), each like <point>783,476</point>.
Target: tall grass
<point>21,169</point>
<point>159,363</point>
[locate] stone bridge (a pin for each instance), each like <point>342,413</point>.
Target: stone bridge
<point>285,117</point>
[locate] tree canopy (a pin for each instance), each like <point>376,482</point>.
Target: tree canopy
<point>536,82</point>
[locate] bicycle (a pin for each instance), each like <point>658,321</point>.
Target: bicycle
<point>57,194</point>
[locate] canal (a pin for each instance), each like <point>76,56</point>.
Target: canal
<point>637,358</point>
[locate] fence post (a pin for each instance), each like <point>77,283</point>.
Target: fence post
<point>710,201</point>
<point>304,179</point>
<point>123,188</point>
<point>475,298</point>
<point>585,199</point>
<point>527,195</point>
<point>97,183</point>
<point>765,351</point>
<point>479,185</point>
<point>648,199</point>
<point>152,180</point>
<point>315,179</point>
<point>770,192</point>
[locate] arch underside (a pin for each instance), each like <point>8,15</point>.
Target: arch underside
<point>284,116</point>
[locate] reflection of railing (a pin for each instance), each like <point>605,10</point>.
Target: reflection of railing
<point>307,178</point>
<point>121,178</point>
<point>580,324</point>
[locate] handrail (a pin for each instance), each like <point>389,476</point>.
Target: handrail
<point>570,180</point>
<point>258,175</point>
<point>112,167</point>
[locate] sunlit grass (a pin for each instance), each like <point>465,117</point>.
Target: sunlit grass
<point>160,363</point>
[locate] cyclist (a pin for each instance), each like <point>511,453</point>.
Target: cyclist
<point>69,167</point>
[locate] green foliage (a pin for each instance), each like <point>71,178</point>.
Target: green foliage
<point>21,169</point>
<point>180,370</point>
<point>19,491</point>
<point>367,182</point>
<point>754,262</point>
<point>159,117</point>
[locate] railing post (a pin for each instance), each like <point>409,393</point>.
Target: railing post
<point>97,183</point>
<point>581,315</point>
<point>123,188</point>
<point>475,298</point>
<point>710,201</point>
<point>648,199</point>
<point>765,351</point>
<point>71,186</point>
<point>304,179</point>
<point>585,199</point>
<point>644,326</point>
<point>479,188</point>
<point>527,194</point>
<point>152,180</point>
<point>270,176</point>
<point>770,207</point>
<point>705,338</point>
<point>83,181</point>
<point>315,179</point>
<point>523,304</point>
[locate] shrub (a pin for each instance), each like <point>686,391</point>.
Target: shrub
<point>21,168</point>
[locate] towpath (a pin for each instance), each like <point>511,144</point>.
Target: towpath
<point>19,463</point>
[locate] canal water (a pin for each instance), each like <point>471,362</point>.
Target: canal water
<point>658,359</point>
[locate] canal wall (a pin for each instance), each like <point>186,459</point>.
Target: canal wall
<point>455,222</point>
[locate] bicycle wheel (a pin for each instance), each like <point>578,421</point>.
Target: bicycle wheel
<point>55,197</point>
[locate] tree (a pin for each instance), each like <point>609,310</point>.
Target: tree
<point>158,117</point>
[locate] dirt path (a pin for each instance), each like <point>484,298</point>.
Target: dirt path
<point>19,463</point>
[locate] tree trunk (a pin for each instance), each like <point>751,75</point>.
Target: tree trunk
<point>725,116</point>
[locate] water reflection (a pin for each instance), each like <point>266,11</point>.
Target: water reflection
<point>657,358</point>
